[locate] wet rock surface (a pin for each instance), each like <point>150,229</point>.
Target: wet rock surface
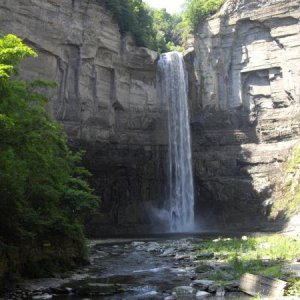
<point>135,270</point>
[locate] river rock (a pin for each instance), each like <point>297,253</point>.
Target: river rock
<point>202,284</point>
<point>173,297</point>
<point>181,291</point>
<point>232,286</point>
<point>169,252</point>
<point>18,294</point>
<point>152,295</point>
<point>213,288</point>
<point>42,297</point>
<point>99,289</point>
<point>136,244</point>
<point>182,256</point>
<point>202,295</point>
<point>153,247</point>
<point>101,254</point>
<point>61,290</point>
<point>203,268</point>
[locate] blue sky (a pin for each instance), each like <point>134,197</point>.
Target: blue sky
<point>171,5</point>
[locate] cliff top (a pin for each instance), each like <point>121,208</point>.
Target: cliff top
<point>238,6</point>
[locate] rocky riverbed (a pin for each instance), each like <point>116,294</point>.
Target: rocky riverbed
<point>140,269</point>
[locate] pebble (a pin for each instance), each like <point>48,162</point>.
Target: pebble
<point>169,252</point>
<point>170,298</point>
<point>42,297</point>
<point>202,284</point>
<point>135,244</point>
<point>202,295</point>
<point>183,290</point>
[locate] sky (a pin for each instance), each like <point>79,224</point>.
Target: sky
<point>172,6</point>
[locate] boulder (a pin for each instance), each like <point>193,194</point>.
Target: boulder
<point>202,295</point>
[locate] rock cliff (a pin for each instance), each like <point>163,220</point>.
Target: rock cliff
<point>244,91</point>
<point>106,100</point>
<point>244,102</point>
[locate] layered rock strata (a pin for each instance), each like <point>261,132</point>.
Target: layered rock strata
<point>244,103</point>
<point>106,100</point>
<point>244,92</point>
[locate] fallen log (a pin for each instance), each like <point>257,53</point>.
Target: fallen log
<point>263,286</point>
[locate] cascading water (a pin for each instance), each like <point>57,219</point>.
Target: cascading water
<point>173,90</point>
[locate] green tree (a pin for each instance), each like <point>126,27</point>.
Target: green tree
<point>197,10</point>
<point>43,190</point>
<point>166,27</point>
<point>156,28</point>
<point>134,16</point>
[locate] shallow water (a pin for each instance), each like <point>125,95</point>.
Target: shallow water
<point>142,273</point>
<point>141,269</point>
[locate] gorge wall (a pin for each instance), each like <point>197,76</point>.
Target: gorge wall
<point>244,91</point>
<point>244,106</point>
<point>106,100</point>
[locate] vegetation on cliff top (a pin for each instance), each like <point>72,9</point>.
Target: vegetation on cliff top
<point>134,16</point>
<point>44,196</point>
<point>197,10</point>
<point>156,29</point>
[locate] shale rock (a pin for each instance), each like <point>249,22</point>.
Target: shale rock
<point>107,101</point>
<point>245,110</point>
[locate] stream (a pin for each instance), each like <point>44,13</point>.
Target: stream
<point>136,269</point>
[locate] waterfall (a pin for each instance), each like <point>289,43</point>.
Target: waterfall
<point>173,90</point>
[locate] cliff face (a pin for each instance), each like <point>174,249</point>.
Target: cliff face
<point>245,108</point>
<point>106,99</point>
<point>244,103</point>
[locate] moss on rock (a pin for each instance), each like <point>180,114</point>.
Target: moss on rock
<point>288,191</point>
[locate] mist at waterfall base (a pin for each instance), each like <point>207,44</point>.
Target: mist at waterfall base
<point>172,81</point>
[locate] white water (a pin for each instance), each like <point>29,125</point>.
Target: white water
<point>173,89</point>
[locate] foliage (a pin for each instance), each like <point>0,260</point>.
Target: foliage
<point>167,29</point>
<point>265,255</point>
<point>12,51</point>
<point>152,28</point>
<point>288,197</point>
<point>293,287</point>
<point>197,10</point>
<point>134,16</point>
<point>156,28</point>
<point>43,191</point>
